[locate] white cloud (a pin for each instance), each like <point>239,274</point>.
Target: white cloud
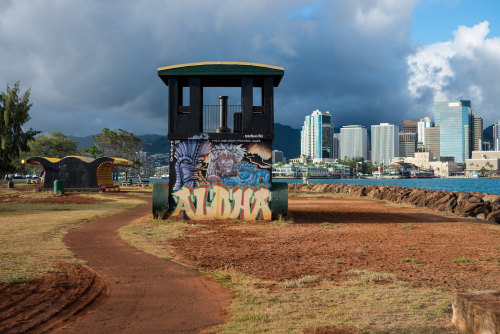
<point>466,67</point>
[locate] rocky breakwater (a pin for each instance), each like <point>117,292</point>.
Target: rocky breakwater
<point>477,205</point>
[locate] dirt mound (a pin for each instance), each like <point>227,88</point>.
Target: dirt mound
<point>45,302</point>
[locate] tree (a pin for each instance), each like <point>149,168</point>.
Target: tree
<point>56,145</point>
<point>14,112</point>
<point>92,152</point>
<point>483,171</point>
<point>120,144</point>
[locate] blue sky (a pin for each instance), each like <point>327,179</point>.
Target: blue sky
<point>435,20</point>
<point>92,64</point>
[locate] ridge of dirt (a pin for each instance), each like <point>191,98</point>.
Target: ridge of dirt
<point>45,302</point>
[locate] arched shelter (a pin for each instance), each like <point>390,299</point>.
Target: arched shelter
<point>78,172</point>
<point>220,156</point>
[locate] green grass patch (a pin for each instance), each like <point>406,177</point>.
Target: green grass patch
<point>407,227</point>
<point>329,226</point>
<point>462,259</point>
<point>410,260</point>
<point>361,250</point>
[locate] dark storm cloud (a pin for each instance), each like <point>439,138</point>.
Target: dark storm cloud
<point>93,64</point>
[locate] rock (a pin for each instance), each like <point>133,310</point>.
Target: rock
<point>467,210</point>
<point>491,198</point>
<point>477,312</point>
<point>494,216</point>
<point>463,197</point>
<point>475,199</point>
<point>450,206</point>
<point>481,216</point>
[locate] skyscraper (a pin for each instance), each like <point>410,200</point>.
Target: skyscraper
<point>432,141</point>
<point>278,156</point>
<point>455,120</point>
<point>336,145</point>
<point>409,125</point>
<point>385,143</point>
<point>496,136</point>
<point>478,134</point>
<point>421,125</point>
<point>316,137</point>
<point>407,144</point>
<point>353,142</point>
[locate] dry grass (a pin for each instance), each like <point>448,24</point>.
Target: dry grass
<point>374,302</point>
<point>151,236</point>
<point>31,234</point>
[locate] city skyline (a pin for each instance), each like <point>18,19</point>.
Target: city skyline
<point>92,64</point>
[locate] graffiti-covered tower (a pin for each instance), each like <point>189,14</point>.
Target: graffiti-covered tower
<point>220,155</point>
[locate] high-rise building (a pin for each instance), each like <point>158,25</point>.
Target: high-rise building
<point>421,125</point>
<point>432,142</point>
<point>336,145</point>
<point>407,144</point>
<point>353,142</point>
<point>478,133</point>
<point>496,136</point>
<point>455,120</point>
<point>316,137</point>
<point>278,156</point>
<point>385,143</point>
<point>409,125</point>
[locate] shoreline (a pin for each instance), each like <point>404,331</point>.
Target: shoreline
<point>479,205</point>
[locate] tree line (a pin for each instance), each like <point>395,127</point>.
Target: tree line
<point>17,144</point>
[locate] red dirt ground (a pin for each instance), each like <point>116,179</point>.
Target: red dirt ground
<point>45,302</point>
<point>133,293</point>
<point>361,234</point>
<point>147,294</point>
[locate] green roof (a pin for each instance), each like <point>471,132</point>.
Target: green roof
<point>218,69</point>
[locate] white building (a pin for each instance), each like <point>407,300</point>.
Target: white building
<point>353,142</point>
<point>316,137</point>
<point>385,143</point>
<point>421,125</point>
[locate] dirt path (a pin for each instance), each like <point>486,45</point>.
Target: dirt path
<point>147,294</point>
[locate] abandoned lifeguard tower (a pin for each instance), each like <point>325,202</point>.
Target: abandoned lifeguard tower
<point>220,155</point>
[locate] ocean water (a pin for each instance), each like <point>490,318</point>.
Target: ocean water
<point>485,185</point>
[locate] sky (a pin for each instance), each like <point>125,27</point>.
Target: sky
<point>93,64</point>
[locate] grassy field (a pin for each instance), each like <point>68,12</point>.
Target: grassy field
<point>31,234</point>
<point>290,306</point>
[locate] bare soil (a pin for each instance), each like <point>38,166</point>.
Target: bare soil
<point>45,302</point>
<point>133,293</point>
<point>332,236</point>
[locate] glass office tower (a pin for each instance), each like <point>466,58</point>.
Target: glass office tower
<point>455,120</point>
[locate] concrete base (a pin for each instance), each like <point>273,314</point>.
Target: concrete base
<point>477,312</point>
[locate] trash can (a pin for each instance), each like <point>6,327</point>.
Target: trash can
<point>279,200</point>
<point>58,187</point>
<point>10,184</point>
<point>160,200</point>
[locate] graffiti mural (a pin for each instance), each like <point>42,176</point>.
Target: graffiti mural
<point>187,166</point>
<point>221,202</point>
<point>215,179</point>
